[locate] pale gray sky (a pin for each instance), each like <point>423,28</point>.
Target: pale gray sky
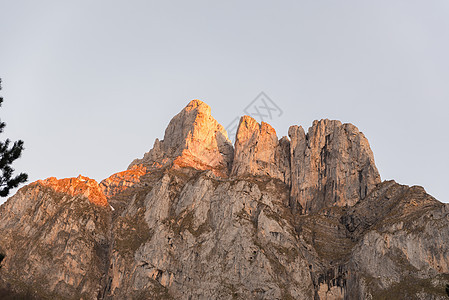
<point>89,85</point>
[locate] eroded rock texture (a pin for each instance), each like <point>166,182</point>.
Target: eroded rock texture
<point>332,165</point>
<point>192,139</point>
<point>305,218</point>
<point>119,182</point>
<point>258,151</point>
<point>54,240</point>
<point>208,238</point>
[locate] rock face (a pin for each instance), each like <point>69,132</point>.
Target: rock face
<point>299,218</point>
<point>332,165</point>
<point>400,231</point>
<point>77,186</point>
<point>119,182</point>
<point>258,151</point>
<point>54,240</point>
<point>192,139</point>
<point>198,239</point>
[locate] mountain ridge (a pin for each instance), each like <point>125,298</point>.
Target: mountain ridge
<point>300,217</point>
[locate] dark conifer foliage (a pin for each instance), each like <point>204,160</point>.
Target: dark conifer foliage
<point>8,154</point>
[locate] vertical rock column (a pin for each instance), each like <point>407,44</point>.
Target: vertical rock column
<point>259,152</point>
<point>332,165</point>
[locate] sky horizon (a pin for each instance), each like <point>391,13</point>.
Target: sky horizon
<point>90,85</point>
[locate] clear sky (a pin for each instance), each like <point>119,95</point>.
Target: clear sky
<point>89,85</point>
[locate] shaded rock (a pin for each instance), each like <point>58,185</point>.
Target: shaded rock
<point>206,236</point>
<point>332,165</point>
<point>54,239</point>
<point>400,231</point>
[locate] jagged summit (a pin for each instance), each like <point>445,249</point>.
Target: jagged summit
<point>300,217</point>
<point>258,151</point>
<point>80,185</point>
<point>332,165</point>
<point>194,139</point>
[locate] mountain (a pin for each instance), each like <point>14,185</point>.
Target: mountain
<point>301,217</point>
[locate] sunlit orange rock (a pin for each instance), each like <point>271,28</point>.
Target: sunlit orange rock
<point>192,139</point>
<point>80,185</point>
<point>120,181</point>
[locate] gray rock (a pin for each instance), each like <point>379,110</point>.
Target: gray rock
<point>332,165</point>
<point>306,218</point>
<point>258,152</point>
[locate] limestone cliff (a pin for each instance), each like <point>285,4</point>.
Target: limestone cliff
<point>304,217</point>
<point>54,240</point>
<point>119,182</point>
<point>194,139</point>
<point>332,165</point>
<point>258,151</point>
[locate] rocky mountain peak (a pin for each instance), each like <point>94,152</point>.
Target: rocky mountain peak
<point>315,165</point>
<point>80,185</point>
<point>193,139</point>
<point>332,165</point>
<point>258,151</point>
<point>304,217</point>
<point>199,106</point>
